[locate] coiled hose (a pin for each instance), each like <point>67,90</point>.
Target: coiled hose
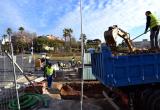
<point>29,101</point>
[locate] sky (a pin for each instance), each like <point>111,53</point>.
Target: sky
<point>47,17</point>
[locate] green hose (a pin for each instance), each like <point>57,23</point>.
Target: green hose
<point>27,101</point>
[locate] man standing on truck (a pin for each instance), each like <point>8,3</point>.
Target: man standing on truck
<point>154,24</point>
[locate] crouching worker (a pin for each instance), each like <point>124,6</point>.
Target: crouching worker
<point>49,71</point>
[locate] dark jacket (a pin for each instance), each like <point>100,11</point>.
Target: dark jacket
<point>148,22</point>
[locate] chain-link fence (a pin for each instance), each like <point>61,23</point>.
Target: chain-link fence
<point>7,83</point>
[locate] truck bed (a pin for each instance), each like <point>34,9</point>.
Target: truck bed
<point>125,70</point>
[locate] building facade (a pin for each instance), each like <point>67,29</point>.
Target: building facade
<point>142,44</point>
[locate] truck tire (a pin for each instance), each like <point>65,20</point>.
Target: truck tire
<point>144,98</point>
<point>156,103</point>
<point>153,102</point>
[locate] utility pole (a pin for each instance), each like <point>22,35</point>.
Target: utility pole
<point>14,72</point>
<point>32,48</point>
<point>82,54</point>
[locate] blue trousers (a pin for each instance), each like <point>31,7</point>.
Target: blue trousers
<point>49,80</point>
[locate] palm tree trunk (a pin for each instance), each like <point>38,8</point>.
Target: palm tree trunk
<point>65,44</point>
<point>70,44</point>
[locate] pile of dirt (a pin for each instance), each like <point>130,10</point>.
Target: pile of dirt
<point>91,89</point>
<point>68,92</point>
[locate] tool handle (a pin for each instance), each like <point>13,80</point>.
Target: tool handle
<point>139,35</point>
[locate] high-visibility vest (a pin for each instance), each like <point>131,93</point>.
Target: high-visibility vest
<point>154,21</point>
<point>49,71</point>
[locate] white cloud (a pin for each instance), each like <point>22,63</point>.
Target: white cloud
<point>98,15</point>
<point>70,20</point>
<point>13,17</point>
<point>127,14</point>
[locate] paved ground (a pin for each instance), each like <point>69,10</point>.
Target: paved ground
<point>92,104</point>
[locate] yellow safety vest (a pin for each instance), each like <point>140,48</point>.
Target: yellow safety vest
<point>154,21</point>
<point>49,71</point>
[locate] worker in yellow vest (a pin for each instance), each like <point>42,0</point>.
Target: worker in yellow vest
<point>49,71</point>
<point>73,62</point>
<point>154,24</point>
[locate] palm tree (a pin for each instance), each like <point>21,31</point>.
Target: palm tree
<point>70,31</point>
<point>4,36</point>
<point>67,32</point>
<point>21,29</point>
<point>9,31</point>
<point>84,37</point>
<point>4,43</point>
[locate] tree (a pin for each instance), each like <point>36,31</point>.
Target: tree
<point>39,42</point>
<point>4,37</point>
<point>9,31</point>
<point>93,43</point>
<point>84,37</point>
<point>98,41</point>
<point>21,29</point>
<point>5,45</point>
<point>67,32</point>
<point>65,36</point>
<point>20,42</point>
<point>70,31</point>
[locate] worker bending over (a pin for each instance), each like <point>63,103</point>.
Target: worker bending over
<point>154,24</point>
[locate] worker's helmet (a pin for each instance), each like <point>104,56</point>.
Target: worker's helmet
<point>49,63</point>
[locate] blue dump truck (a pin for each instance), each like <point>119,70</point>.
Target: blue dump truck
<point>133,79</point>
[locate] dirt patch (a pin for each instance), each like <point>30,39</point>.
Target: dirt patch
<point>91,89</point>
<point>67,92</point>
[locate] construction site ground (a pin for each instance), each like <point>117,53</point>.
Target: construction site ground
<point>65,93</point>
<point>66,89</point>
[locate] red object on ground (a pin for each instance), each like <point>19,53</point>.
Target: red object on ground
<point>40,86</point>
<point>67,92</point>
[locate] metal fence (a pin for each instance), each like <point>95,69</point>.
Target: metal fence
<point>7,83</point>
